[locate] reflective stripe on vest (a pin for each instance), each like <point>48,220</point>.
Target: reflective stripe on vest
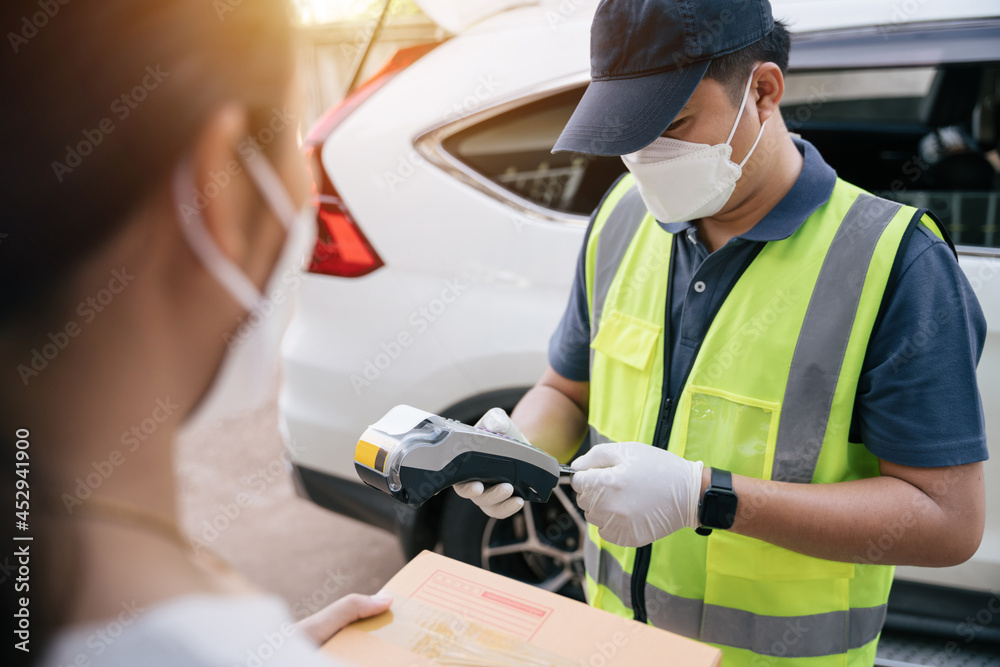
<point>819,352</point>
<point>598,438</point>
<point>629,213</point>
<point>814,634</point>
<point>841,258</point>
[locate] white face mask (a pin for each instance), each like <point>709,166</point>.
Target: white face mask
<point>245,378</point>
<point>681,181</point>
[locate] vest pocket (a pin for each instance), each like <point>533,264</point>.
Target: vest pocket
<point>727,431</point>
<point>623,354</point>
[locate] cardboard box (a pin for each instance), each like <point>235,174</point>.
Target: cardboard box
<point>449,613</point>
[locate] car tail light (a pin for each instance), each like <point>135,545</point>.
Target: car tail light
<point>341,248</point>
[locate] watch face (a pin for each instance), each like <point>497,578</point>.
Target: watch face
<point>718,509</point>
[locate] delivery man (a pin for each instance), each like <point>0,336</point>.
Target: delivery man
<point>776,369</point>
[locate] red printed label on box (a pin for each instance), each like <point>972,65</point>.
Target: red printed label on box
<point>485,605</point>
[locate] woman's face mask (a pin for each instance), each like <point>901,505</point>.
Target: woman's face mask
<point>680,181</point>
<point>244,380</point>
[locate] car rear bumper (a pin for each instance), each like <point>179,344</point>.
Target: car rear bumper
<point>415,529</point>
<point>352,499</point>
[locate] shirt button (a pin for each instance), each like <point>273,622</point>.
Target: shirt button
<point>699,287</point>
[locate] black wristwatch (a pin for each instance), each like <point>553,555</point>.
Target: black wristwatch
<point>717,508</point>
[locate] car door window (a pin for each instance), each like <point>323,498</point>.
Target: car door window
<point>925,137</point>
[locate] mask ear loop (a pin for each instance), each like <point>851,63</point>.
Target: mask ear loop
<point>756,141</point>
<point>272,189</point>
<point>743,105</point>
<point>204,246</point>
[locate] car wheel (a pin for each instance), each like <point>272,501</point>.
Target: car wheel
<point>541,545</point>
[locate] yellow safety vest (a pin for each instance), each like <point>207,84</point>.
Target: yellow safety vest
<point>770,395</point>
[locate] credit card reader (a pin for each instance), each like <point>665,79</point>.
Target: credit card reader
<point>412,455</point>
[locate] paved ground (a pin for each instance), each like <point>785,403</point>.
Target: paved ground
<point>237,496</point>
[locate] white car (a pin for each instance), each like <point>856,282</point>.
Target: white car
<point>449,236</point>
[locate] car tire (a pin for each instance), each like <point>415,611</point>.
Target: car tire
<point>540,545</point>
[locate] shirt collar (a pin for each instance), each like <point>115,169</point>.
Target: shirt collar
<point>811,190</point>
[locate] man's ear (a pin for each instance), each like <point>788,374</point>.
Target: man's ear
<point>222,186</point>
<point>768,89</point>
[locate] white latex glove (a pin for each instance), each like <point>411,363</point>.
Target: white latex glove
<point>495,501</point>
<point>636,493</point>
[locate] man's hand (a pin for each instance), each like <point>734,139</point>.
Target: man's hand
<point>335,617</point>
<point>636,493</point>
<point>495,501</point>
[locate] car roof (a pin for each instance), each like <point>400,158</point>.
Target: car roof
<point>814,15</point>
<point>462,16</point>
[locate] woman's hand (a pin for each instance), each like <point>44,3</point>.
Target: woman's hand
<point>332,619</point>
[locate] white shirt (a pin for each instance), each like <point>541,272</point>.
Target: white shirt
<point>190,631</point>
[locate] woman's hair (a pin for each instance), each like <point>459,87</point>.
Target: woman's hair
<point>101,99</point>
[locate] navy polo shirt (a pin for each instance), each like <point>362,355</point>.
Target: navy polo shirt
<point>918,402</point>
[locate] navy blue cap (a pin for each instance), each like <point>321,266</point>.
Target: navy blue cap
<point>646,58</point>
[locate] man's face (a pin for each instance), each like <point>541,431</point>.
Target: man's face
<point>708,118</point>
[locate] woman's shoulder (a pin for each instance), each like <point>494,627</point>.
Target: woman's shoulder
<point>199,630</point>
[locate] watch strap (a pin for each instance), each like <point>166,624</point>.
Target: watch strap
<point>721,479</point>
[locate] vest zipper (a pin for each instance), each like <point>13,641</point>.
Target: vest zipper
<point>643,555</point>
<point>665,421</point>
